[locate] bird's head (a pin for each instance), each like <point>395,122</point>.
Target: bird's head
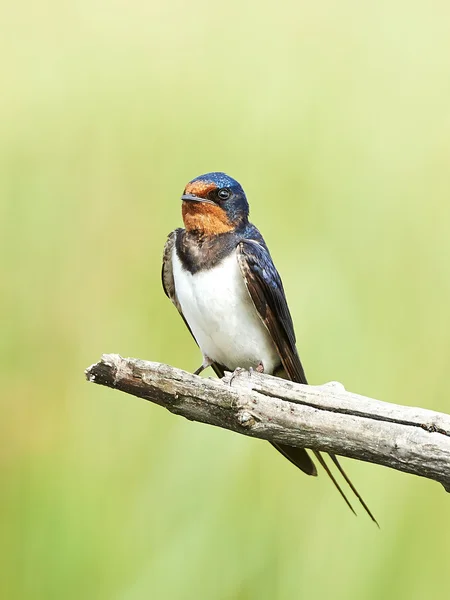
<point>214,203</point>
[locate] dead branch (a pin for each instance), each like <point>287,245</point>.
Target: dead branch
<point>328,418</point>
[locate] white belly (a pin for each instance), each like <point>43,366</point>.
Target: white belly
<point>222,316</point>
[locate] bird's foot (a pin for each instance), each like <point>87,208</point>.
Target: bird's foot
<point>259,369</point>
<point>207,362</point>
<point>234,373</point>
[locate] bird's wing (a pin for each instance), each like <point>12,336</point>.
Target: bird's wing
<point>167,278</point>
<point>168,281</point>
<point>266,290</point>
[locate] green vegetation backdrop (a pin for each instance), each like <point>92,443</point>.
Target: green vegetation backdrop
<point>335,117</point>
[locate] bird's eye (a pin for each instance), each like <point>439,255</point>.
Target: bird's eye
<point>223,194</point>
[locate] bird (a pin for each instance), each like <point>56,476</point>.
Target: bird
<point>219,274</point>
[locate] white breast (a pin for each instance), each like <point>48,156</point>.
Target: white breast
<point>216,304</point>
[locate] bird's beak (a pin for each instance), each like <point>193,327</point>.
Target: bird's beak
<point>192,198</point>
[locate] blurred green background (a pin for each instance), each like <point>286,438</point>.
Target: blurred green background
<point>335,117</point>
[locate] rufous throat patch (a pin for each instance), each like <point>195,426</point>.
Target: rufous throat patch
<point>205,218</point>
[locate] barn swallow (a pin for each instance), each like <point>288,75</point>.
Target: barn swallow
<point>219,274</point>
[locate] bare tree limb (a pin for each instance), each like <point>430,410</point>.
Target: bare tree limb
<point>328,418</point>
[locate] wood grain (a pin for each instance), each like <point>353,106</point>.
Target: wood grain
<point>328,418</point>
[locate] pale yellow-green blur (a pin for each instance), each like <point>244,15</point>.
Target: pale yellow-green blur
<point>335,117</point>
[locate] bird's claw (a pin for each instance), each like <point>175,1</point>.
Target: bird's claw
<point>234,373</point>
<point>259,369</point>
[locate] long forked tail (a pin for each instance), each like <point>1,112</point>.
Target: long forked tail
<point>301,459</point>
<point>293,370</point>
<point>352,487</point>
<point>333,457</point>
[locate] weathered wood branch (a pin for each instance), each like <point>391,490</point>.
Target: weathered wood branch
<point>328,418</point>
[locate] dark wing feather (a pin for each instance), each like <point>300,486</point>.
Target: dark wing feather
<point>266,290</point>
<point>167,279</point>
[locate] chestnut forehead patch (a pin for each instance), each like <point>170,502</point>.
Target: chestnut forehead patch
<point>200,188</point>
